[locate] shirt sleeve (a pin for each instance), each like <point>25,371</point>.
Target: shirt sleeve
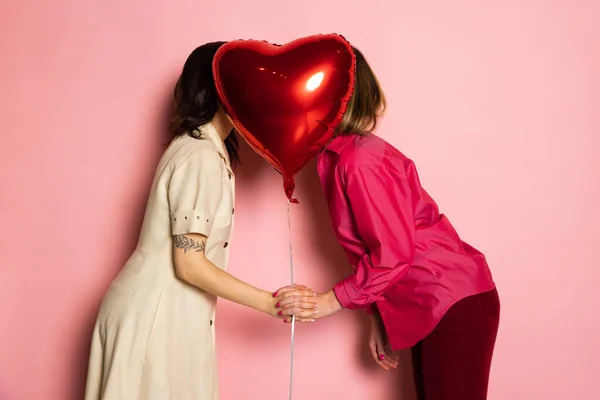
<point>194,193</point>
<point>380,201</point>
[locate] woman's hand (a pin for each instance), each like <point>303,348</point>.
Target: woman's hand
<point>299,300</point>
<point>379,346</point>
<point>326,304</point>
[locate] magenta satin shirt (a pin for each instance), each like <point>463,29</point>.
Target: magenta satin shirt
<point>408,259</point>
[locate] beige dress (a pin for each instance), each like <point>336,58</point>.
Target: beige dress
<point>154,338</point>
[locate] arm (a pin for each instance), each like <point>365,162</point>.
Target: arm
<point>192,266</point>
<point>194,194</point>
<point>381,202</point>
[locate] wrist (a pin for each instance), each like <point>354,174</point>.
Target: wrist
<point>266,302</point>
<point>332,302</point>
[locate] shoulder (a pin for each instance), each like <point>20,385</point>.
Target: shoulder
<point>372,154</point>
<point>188,152</point>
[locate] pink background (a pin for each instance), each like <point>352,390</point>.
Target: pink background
<point>497,102</point>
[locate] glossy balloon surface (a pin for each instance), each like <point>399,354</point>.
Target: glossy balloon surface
<point>286,100</point>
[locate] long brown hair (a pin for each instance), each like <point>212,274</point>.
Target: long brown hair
<point>367,102</point>
<point>196,98</point>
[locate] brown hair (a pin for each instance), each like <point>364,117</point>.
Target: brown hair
<point>367,102</point>
<point>196,98</point>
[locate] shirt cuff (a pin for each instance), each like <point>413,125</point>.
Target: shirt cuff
<point>343,291</point>
<point>190,221</point>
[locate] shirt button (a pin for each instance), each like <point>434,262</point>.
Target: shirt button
<point>211,322</point>
<point>226,244</point>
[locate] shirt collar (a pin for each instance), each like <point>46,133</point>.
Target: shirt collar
<point>339,142</point>
<point>209,132</point>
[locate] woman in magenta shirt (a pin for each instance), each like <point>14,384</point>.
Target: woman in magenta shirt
<point>423,286</point>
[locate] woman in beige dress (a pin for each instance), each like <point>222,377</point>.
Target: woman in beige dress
<point>154,338</point>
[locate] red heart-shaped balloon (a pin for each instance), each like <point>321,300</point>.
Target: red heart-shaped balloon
<point>286,100</point>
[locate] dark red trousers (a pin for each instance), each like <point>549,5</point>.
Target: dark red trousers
<point>453,362</point>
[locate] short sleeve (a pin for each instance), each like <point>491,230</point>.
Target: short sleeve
<point>195,192</point>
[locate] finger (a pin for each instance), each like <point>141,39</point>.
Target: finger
<point>381,356</point>
<point>295,310</point>
<point>390,357</point>
<point>308,306</point>
<point>290,288</point>
<point>295,292</point>
<point>301,286</point>
<point>289,320</point>
<point>283,289</point>
<point>311,313</point>
<point>377,355</point>
<point>391,364</point>
<point>373,349</point>
<point>304,315</point>
<point>383,365</point>
<point>296,299</point>
<point>287,301</point>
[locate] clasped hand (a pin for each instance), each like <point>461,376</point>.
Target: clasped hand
<point>303,303</point>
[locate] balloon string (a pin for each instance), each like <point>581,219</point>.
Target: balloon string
<point>293,317</point>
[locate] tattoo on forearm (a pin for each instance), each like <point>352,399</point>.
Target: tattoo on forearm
<point>186,244</point>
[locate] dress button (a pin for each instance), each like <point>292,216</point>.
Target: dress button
<point>226,244</point>
<point>211,322</point>
<point>233,211</point>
